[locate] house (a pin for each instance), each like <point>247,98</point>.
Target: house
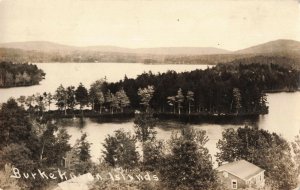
<point>241,175</point>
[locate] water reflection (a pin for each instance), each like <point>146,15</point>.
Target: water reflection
<point>283,119</point>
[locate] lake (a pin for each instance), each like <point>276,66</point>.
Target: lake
<point>73,73</point>
<point>283,117</point>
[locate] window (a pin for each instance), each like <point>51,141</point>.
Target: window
<point>234,184</point>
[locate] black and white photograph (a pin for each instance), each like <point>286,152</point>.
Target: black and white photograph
<point>149,95</point>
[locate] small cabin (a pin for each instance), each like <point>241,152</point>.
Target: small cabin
<point>241,174</point>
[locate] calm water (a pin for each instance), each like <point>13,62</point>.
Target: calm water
<point>73,73</point>
<point>283,117</point>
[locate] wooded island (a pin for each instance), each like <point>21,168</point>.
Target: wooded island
<point>17,74</point>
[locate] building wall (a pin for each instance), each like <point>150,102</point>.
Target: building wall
<point>257,181</point>
<point>227,181</point>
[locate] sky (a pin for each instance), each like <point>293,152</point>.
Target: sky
<point>227,24</point>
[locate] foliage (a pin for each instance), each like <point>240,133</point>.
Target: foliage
<point>81,95</point>
<point>219,90</point>
<point>70,93</point>
<point>18,155</point>
<point>190,99</point>
<point>268,151</point>
<point>226,89</point>
<point>84,148</point>
<point>82,160</point>
<point>146,95</point>
<point>296,149</point>
<point>188,165</point>
<point>179,99</point>
<point>96,94</point>
<point>172,101</point>
<point>6,182</point>
<point>142,180</point>
<point>14,124</point>
<point>122,99</point>
<point>120,150</point>
<point>153,154</point>
<point>61,98</point>
<point>16,74</point>
<point>236,100</point>
<point>144,124</point>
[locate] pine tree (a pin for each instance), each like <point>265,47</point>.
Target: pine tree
<point>171,102</point>
<point>81,95</point>
<point>190,99</point>
<point>61,98</point>
<point>179,99</point>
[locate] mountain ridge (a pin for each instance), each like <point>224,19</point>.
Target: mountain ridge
<point>280,45</point>
<point>287,51</point>
<point>46,46</point>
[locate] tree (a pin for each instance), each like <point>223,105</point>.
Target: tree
<point>153,154</point>
<point>114,103</point>
<point>61,98</point>
<point>236,100</point>
<point>6,182</point>
<point>82,160</point>
<point>179,99</point>
<point>171,102</point>
<point>62,145</point>
<point>268,151</point>
<point>144,124</point>
<point>47,140</point>
<point>108,99</point>
<point>123,99</point>
<point>146,95</point>
<point>84,148</point>
<point>263,103</point>
<point>101,100</point>
<point>48,99</point>
<point>189,158</point>
<point>296,149</point>
<point>71,102</point>
<point>22,100</point>
<point>120,150</point>
<point>95,93</point>
<point>29,101</point>
<point>17,155</point>
<point>81,95</point>
<point>190,99</point>
<point>39,99</point>
<point>14,124</point>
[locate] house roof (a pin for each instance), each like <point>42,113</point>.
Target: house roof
<point>242,169</point>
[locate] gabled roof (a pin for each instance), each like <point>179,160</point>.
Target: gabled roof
<point>241,169</point>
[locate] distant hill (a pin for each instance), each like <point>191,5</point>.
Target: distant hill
<point>44,46</point>
<point>182,51</point>
<point>273,47</point>
<point>41,46</point>
<point>285,51</point>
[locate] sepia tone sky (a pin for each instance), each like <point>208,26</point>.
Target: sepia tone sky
<point>228,24</point>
